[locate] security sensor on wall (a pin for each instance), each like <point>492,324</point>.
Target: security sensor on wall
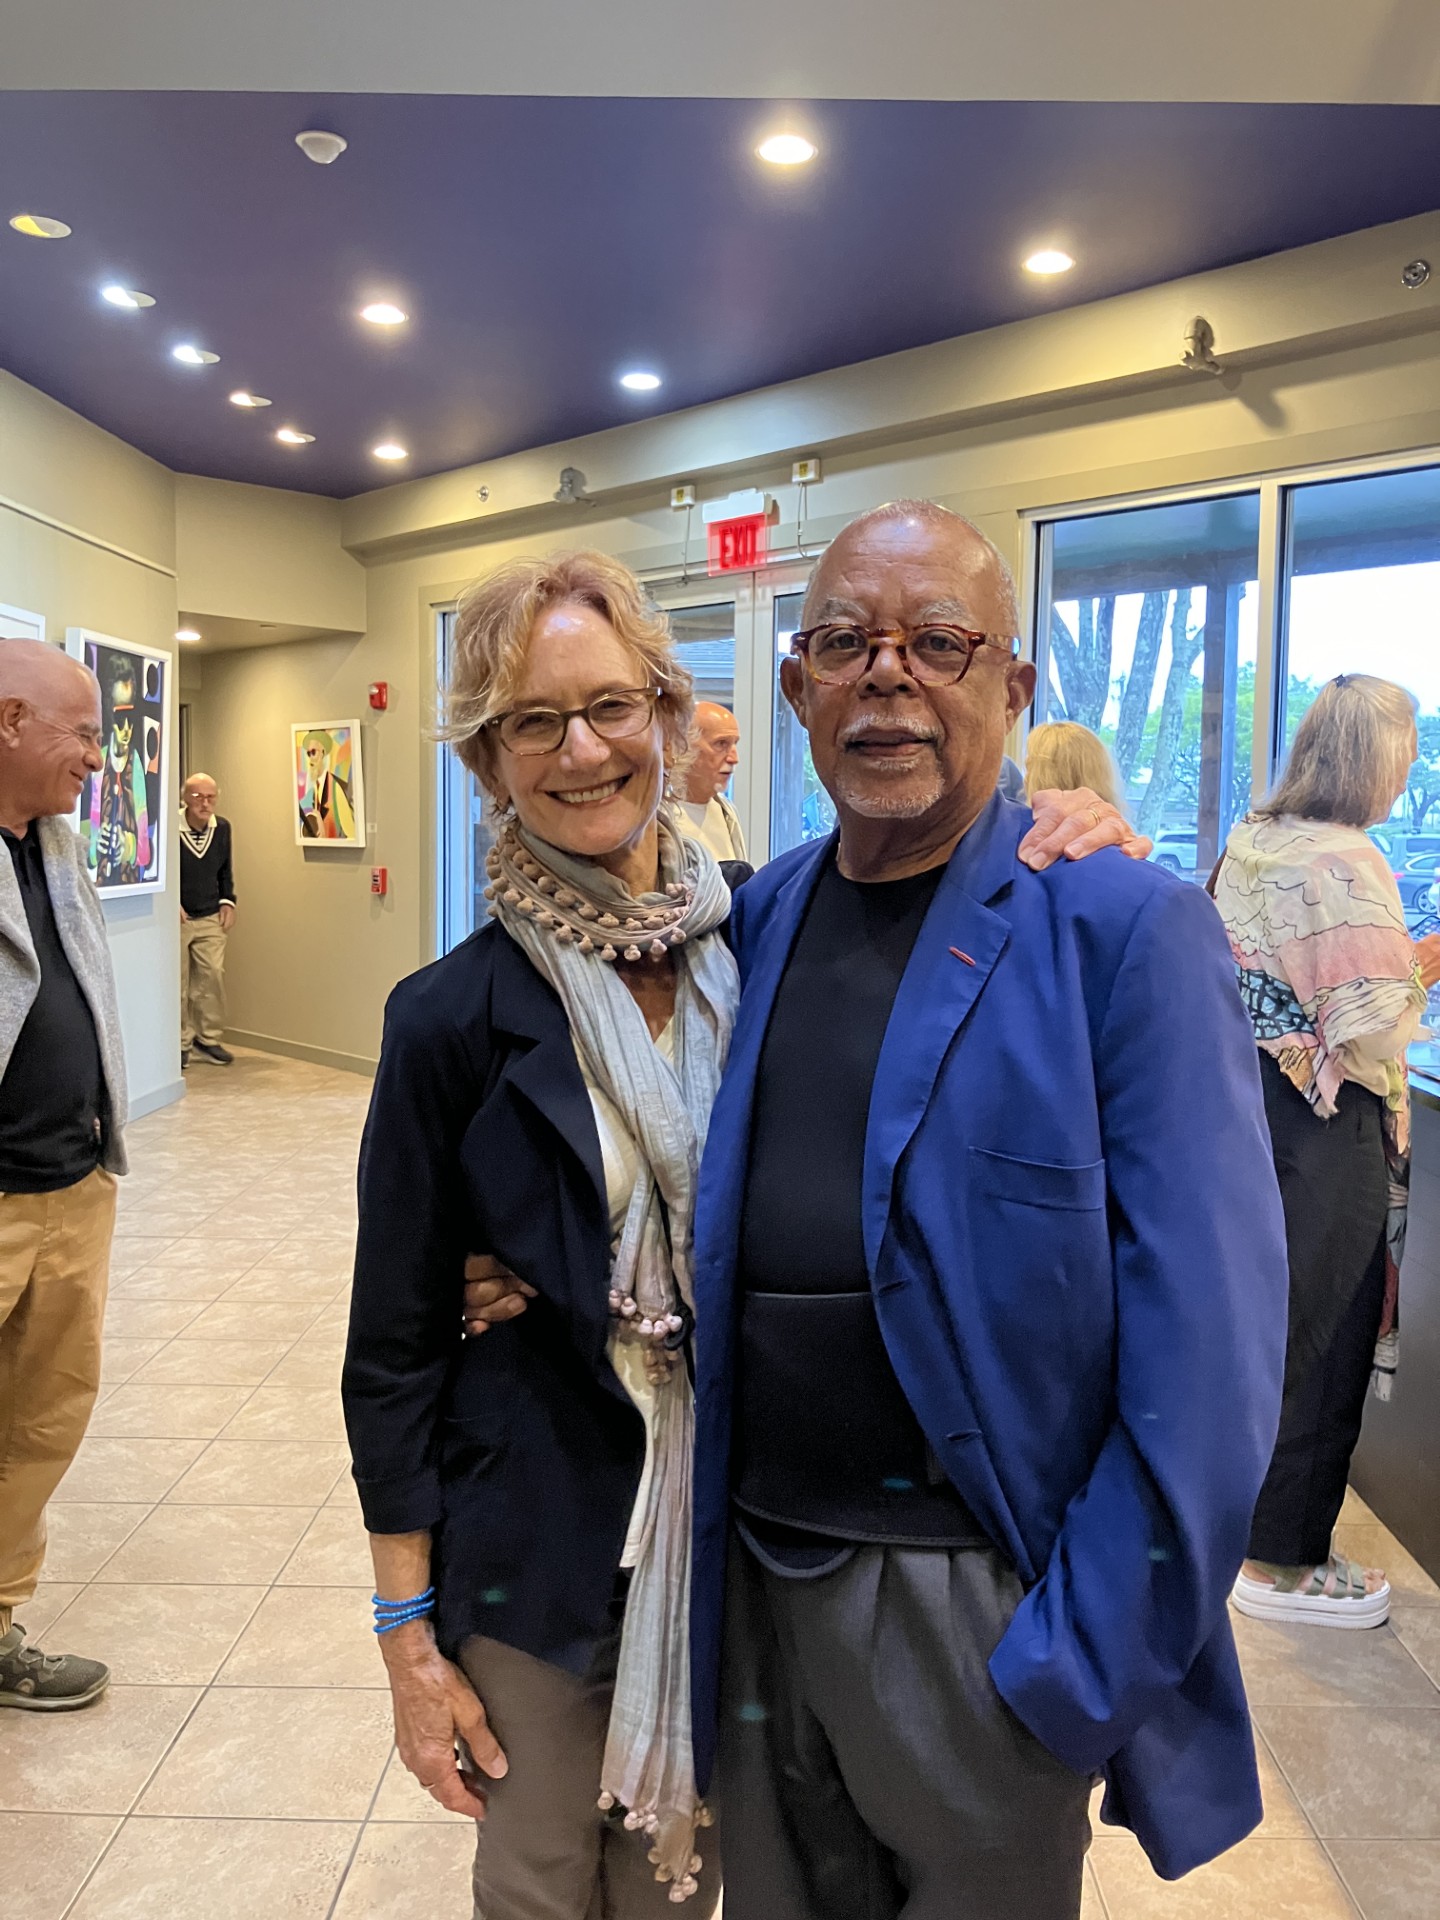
<point>322,148</point>
<point>571,490</point>
<point>1199,354</point>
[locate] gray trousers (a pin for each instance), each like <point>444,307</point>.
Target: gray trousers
<point>544,1850</point>
<point>868,1768</point>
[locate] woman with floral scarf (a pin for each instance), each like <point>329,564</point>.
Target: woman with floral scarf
<point>1335,989</point>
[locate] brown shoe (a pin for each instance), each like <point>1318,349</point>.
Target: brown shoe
<point>47,1682</point>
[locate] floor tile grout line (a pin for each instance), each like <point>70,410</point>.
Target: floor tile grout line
<point>360,1835</point>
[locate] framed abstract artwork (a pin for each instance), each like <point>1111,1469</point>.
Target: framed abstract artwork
<point>327,783</point>
<point>124,819</point>
<point>17,624</point>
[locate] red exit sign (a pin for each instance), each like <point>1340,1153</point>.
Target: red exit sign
<point>736,544</point>
<point>736,530</point>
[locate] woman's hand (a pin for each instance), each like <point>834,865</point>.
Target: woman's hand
<point>1427,958</point>
<point>1074,824</point>
<point>435,1706</point>
<point>492,1294</point>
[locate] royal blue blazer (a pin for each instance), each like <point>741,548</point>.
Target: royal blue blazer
<point>1077,1251</point>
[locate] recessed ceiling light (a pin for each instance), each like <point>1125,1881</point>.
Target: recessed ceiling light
<point>293,437</point>
<point>192,356</point>
<point>39,226</point>
<point>1049,260</point>
<point>786,150</point>
<point>380,313</point>
<point>242,397</point>
<point>390,450</point>
<point>188,634</point>
<point>640,381</point>
<point>127,297</point>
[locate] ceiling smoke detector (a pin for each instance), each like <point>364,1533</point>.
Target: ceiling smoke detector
<point>322,148</point>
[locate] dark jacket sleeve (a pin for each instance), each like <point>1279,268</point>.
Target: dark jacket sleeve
<point>227,866</point>
<point>414,1221</point>
<point>1140,1574</point>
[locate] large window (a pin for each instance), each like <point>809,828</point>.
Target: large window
<point>1149,634</point>
<point>800,808</point>
<point>1363,594</point>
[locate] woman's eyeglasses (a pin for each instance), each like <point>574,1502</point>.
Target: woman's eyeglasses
<point>936,654</point>
<point>612,716</point>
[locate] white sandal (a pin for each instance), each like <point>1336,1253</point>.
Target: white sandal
<point>1330,1596</point>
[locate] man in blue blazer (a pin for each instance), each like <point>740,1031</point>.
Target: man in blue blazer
<point>991,1296</point>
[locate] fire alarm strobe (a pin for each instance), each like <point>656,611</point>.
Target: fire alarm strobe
<point>380,695</point>
<point>379,879</point>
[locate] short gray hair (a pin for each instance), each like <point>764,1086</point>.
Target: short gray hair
<point>931,512</point>
<point>1352,752</point>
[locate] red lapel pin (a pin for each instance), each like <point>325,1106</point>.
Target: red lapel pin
<point>962,956</point>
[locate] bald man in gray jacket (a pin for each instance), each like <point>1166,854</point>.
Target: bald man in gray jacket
<point>62,1116</point>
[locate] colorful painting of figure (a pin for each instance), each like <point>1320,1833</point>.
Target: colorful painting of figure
<point>123,816</point>
<point>329,783</point>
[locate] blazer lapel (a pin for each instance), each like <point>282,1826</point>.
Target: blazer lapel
<point>727,1151</point>
<point>14,927</point>
<point>547,1074</point>
<point>962,939</point>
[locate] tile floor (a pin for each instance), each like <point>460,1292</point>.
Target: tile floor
<point>208,1545</point>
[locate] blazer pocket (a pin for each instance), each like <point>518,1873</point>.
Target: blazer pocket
<point>1039,1183</point>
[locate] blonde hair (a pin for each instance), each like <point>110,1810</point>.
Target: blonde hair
<point>1065,755</point>
<point>491,636</point>
<point>1350,756</point>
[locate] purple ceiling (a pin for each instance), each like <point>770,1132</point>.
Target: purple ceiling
<point>542,246</point>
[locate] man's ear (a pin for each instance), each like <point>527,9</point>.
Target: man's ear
<point>1019,689</point>
<point>792,685</point>
<point>12,719</point>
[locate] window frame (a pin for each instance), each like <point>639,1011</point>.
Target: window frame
<point>1276,490</point>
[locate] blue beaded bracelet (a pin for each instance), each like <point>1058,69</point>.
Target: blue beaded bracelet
<point>390,1614</point>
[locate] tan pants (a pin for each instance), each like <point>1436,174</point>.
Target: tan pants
<point>202,982</point>
<point>54,1266</point>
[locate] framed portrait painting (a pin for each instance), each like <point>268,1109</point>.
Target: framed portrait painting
<point>124,820</point>
<point>327,783</point>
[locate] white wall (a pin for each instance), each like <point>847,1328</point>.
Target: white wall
<point>87,538</point>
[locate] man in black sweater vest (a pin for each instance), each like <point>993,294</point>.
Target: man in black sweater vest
<point>207,913</point>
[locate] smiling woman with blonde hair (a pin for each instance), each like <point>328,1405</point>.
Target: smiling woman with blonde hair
<point>542,1101</point>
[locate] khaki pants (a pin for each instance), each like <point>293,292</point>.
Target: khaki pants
<point>54,1265</point>
<point>202,982</point>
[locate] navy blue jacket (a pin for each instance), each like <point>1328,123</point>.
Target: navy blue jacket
<point>1078,1255</point>
<point>520,1450</point>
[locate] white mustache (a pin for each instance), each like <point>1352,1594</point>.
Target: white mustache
<point>877,723</point>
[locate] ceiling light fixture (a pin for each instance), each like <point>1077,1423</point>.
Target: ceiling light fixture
<point>192,356</point>
<point>1049,260</point>
<point>322,148</point>
<point>380,313</point>
<point>126,297</point>
<point>293,437</point>
<point>187,634</point>
<point>39,226</point>
<point>390,450</point>
<point>787,150</point>
<point>242,397</point>
<point>640,381</point>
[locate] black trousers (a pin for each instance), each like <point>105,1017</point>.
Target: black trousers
<point>1334,1187</point>
<point>869,1770</point>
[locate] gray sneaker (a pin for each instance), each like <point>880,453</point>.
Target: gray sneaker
<point>46,1682</point>
<point>222,1056</point>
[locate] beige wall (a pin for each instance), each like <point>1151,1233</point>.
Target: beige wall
<point>264,553</point>
<point>87,531</point>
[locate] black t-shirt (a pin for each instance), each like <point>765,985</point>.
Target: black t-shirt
<point>52,1094</point>
<point>826,1440</point>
